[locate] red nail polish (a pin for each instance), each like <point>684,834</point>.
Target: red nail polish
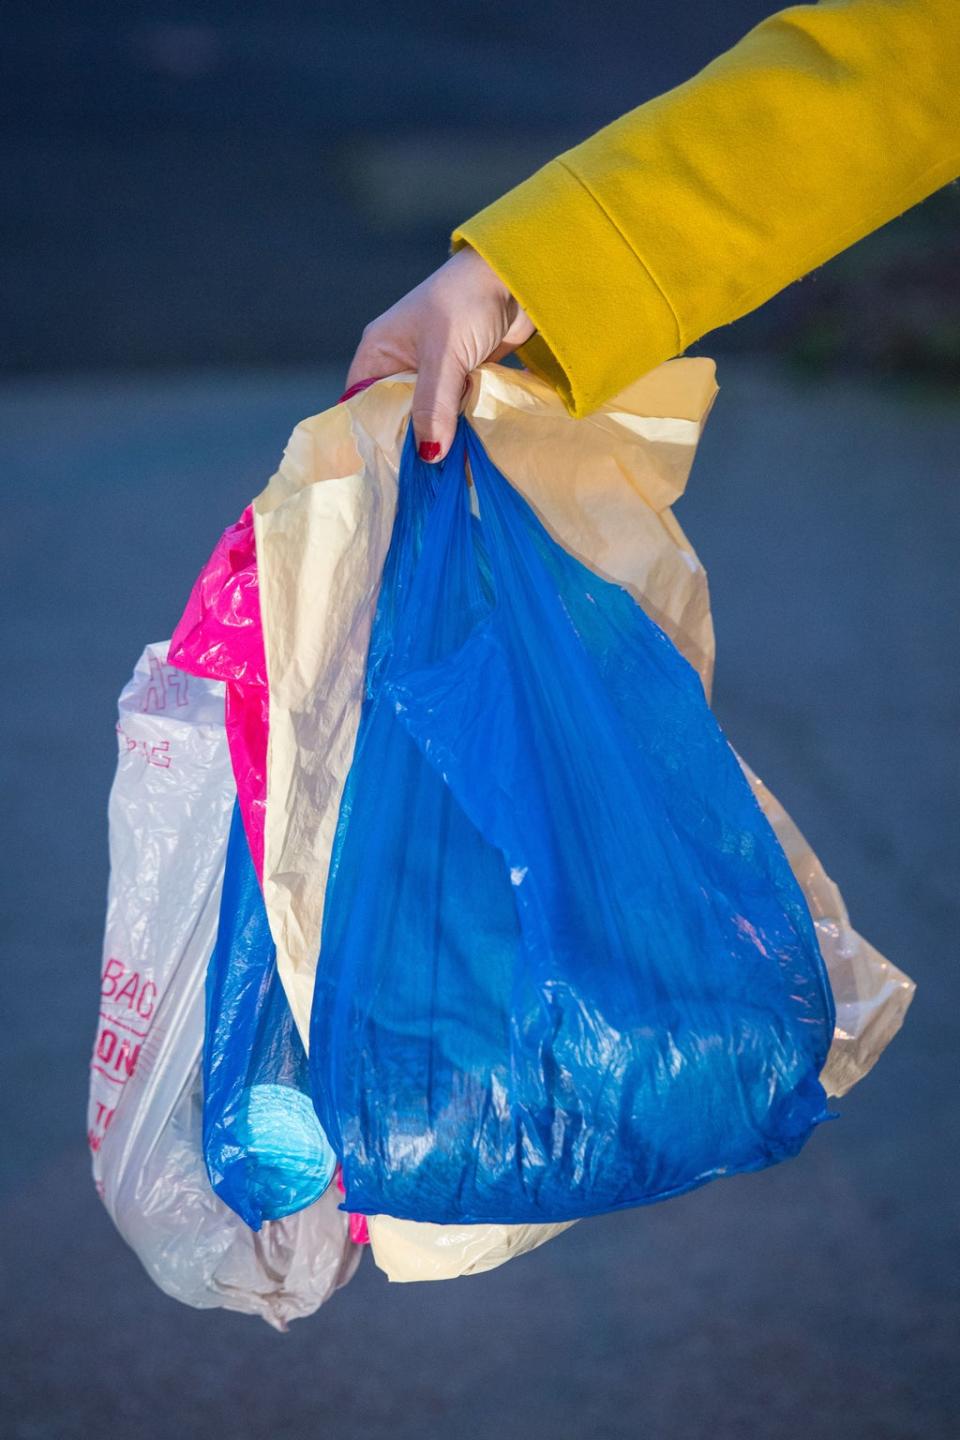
<point>355,389</point>
<point>429,449</point>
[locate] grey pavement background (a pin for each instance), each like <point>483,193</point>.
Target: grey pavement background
<point>814,1301</point>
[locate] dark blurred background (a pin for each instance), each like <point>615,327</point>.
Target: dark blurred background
<point>214,184</point>
<point>204,203</point>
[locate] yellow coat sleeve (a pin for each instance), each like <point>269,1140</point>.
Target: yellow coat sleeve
<point>821,124</point>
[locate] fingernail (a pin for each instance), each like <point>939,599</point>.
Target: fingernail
<point>355,389</point>
<point>428,449</point>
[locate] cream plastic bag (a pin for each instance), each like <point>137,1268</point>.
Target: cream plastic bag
<point>603,487</point>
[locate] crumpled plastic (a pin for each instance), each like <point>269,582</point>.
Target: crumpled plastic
<point>871,996</point>
<point>565,965</point>
<point>220,637</point>
<point>169,815</point>
<point>265,1151</point>
<point>603,487</point>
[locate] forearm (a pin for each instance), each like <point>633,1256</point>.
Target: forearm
<point>821,124</point>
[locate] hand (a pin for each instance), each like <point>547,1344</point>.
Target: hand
<point>460,316</point>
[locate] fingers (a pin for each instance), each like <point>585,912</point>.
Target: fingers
<point>440,387</point>
<point>501,352</point>
<point>518,333</point>
<point>452,322</point>
<point>364,367</point>
<point>357,386</point>
<point>519,330</point>
<point>373,359</point>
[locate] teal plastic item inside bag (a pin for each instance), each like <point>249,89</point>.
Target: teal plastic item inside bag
<point>265,1152</point>
<point>565,967</point>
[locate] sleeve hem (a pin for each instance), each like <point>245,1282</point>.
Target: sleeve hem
<point>571,269</point>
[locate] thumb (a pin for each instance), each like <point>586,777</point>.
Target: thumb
<point>436,403</point>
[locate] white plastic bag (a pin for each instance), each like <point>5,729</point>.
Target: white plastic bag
<point>169,815</point>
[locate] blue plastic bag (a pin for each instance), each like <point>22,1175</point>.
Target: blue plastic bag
<point>265,1152</point>
<point>565,967</point>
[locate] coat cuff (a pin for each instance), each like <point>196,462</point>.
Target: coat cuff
<point>601,318</point>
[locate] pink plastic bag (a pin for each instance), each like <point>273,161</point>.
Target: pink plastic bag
<point>220,637</point>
